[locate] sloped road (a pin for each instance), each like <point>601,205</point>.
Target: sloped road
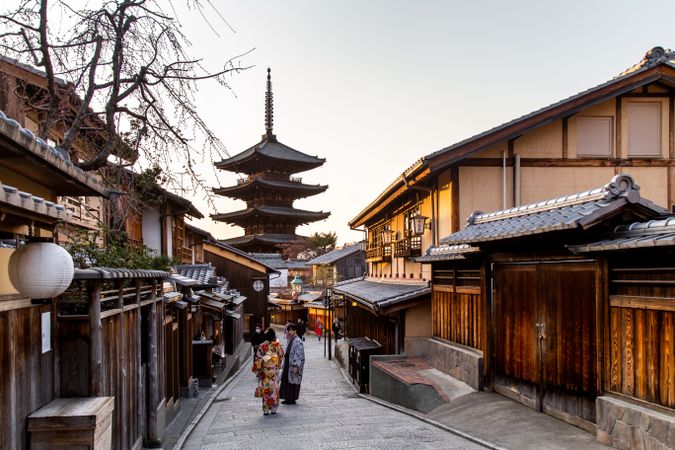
<point>329,415</point>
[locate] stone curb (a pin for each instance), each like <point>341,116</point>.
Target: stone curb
<point>419,416</point>
<point>188,431</point>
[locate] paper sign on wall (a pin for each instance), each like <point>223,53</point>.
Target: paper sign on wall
<point>46,332</point>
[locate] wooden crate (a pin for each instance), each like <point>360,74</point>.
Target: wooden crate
<point>72,423</point>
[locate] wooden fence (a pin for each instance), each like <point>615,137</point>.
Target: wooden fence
<point>642,334</point>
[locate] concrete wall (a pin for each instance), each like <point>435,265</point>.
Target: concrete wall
<point>457,361</point>
<point>420,397</point>
<point>627,425</point>
<point>418,320</point>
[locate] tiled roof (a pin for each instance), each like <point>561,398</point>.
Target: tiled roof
<point>56,160</point>
<point>335,255</point>
<point>204,274</point>
<point>106,273</point>
<point>568,212</point>
<point>654,233</point>
<point>307,189</point>
<point>655,56</point>
<point>377,295</point>
<point>226,246</point>
<point>272,149</point>
<point>266,238</point>
<point>272,211</point>
<point>277,261</point>
<point>9,195</point>
<point>447,253</point>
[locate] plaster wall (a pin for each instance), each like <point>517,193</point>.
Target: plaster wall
<point>152,236</point>
<point>544,142</point>
<point>542,183</point>
<point>652,182</point>
<point>418,320</point>
<point>6,287</point>
<point>444,204</point>
<point>481,188</point>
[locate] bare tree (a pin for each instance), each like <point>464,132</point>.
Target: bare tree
<point>125,67</point>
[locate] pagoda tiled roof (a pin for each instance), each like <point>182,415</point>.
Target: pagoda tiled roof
<point>302,190</point>
<point>263,238</point>
<point>274,151</point>
<point>300,215</point>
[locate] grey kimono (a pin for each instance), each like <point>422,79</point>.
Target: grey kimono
<point>290,382</point>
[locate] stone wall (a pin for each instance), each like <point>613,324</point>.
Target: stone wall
<point>461,362</point>
<point>627,425</point>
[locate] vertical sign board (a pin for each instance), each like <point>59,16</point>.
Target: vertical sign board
<point>46,332</point>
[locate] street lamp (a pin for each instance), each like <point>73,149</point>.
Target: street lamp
<point>418,222</point>
<point>329,323</point>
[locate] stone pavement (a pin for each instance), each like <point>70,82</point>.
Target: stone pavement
<point>329,414</point>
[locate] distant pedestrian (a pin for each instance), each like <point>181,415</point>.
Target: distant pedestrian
<point>337,330</point>
<point>266,367</point>
<point>318,328</point>
<point>294,363</point>
<point>257,338</point>
<point>302,329</point>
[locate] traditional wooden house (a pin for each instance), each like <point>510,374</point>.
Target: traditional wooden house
<point>523,306</point>
<point>338,265</point>
<point>269,190</point>
<point>622,126</point>
<point>248,275</point>
<point>34,176</point>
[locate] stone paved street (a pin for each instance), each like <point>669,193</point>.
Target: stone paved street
<point>328,415</point>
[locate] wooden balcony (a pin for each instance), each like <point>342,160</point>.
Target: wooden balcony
<point>378,253</point>
<point>408,247</point>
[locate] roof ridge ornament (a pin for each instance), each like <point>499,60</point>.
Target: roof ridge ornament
<point>622,185</point>
<point>269,108</point>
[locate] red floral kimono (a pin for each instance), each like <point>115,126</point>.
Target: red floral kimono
<point>266,366</point>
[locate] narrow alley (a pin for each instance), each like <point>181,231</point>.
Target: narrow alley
<point>329,414</point>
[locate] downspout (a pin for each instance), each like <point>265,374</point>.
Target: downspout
<point>504,179</point>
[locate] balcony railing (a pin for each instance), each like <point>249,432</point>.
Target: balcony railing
<point>408,247</point>
<point>82,213</point>
<point>378,253</point>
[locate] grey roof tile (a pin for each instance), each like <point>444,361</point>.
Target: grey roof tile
<point>376,294</point>
<point>652,233</point>
<point>334,256</point>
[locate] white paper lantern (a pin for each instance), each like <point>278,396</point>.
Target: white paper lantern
<point>41,270</point>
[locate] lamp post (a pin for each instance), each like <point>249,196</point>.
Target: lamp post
<point>328,300</point>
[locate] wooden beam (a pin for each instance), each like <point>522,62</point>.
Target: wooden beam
<point>617,127</point>
<point>565,137</point>
<point>573,162</point>
<point>639,302</point>
<point>152,438</point>
<point>454,199</point>
<point>671,125</point>
<point>122,374</point>
<point>96,344</point>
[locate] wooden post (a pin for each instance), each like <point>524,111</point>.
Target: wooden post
<point>122,369</point>
<point>140,417</point>
<point>152,433</point>
<point>96,344</point>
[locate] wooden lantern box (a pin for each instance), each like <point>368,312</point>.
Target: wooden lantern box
<point>72,423</point>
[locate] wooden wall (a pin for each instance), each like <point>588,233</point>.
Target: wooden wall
<point>241,278</point>
<point>641,337</point>
<point>457,307</point>
<point>363,323</point>
<point>27,381</point>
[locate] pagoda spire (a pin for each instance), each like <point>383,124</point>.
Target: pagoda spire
<point>269,107</point>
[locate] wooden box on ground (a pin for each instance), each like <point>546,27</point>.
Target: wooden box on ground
<point>72,423</point>
<point>360,350</point>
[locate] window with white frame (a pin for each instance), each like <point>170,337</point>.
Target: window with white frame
<point>644,129</point>
<point>595,136</point>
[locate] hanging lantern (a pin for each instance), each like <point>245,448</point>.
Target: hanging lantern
<point>418,224</point>
<point>41,270</point>
<point>296,284</point>
<point>386,236</point>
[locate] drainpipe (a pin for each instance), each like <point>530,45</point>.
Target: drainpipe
<point>504,179</point>
<point>516,180</point>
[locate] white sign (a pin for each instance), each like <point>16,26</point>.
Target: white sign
<point>279,281</point>
<point>46,332</point>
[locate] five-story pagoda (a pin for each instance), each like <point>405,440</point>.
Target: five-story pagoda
<point>269,190</point>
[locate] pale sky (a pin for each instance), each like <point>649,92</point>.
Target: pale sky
<point>372,86</point>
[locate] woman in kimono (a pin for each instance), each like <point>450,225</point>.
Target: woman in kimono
<point>266,367</point>
<point>294,362</point>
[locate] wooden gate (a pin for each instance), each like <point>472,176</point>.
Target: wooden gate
<point>545,339</point>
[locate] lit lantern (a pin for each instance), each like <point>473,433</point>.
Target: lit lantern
<point>41,270</point>
<point>296,284</point>
<point>418,223</point>
<point>386,237</point>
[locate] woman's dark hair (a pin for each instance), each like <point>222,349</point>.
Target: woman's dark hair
<point>292,326</point>
<point>270,335</point>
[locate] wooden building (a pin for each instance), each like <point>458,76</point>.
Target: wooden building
<point>625,125</point>
<point>248,275</point>
<point>338,265</point>
<point>522,305</point>
<point>269,190</point>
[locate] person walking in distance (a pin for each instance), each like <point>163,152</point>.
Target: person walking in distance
<point>302,329</point>
<point>294,363</point>
<point>266,366</point>
<point>337,330</point>
<point>318,328</point>
<point>257,338</point>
